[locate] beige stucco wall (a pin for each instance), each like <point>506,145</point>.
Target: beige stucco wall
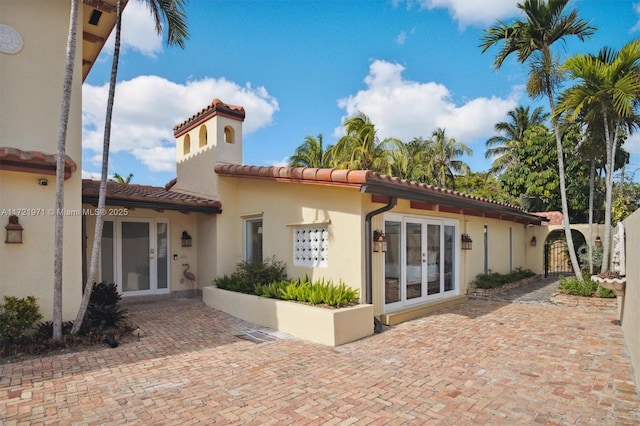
<point>196,255</point>
<point>282,206</point>
<point>535,255</point>
<point>30,101</point>
<point>631,312</point>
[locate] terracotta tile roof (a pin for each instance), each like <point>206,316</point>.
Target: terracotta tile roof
<point>379,184</point>
<point>34,162</point>
<point>145,196</point>
<point>217,107</point>
<point>555,218</point>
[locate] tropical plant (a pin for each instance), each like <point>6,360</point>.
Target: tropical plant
<point>608,91</point>
<point>171,12</point>
<point>120,179</point>
<point>60,165</point>
<point>249,275</point>
<point>443,162</point>
<point>495,279</point>
<point>17,315</point>
<point>531,40</point>
<point>311,154</point>
<point>361,149</point>
<point>411,162</point>
<point>502,148</point>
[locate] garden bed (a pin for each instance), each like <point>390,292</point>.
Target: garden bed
<point>594,302</point>
<point>331,327</point>
<point>488,292</point>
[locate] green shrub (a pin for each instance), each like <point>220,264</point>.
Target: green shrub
<point>249,275</point>
<point>44,330</point>
<point>494,279</point>
<point>17,315</point>
<point>575,287</point>
<point>605,293</point>
<point>104,310</point>
<point>583,257</point>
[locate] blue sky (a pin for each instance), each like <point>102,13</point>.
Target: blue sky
<point>300,67</point>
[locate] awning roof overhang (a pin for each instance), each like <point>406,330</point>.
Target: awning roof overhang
<point>466,205</point>
<point>154,205</point>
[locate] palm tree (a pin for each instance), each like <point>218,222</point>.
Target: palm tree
<point>310,154</point>
<point>531,40</point>
<point>361,148</point>
<point>443,162</point>
<point>120,179</point>
<point>608,93</point>
<point>62,143</point>
<point>502,148</point>
<point>411,162</point>
<point>171,12</point>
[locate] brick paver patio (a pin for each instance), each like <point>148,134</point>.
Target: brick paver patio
<point>483,362</point>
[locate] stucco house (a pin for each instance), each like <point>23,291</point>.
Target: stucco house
<point>430,243</point>
<point>33,38</point>
<point>320,222</point>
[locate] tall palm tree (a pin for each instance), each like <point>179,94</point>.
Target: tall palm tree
<point>412,162</point>
<point>121,179</point>
<point>502,148</point>
<point>443,162</point>
<point>531,40</point>
<point>608,92</point>
<point>361,148</point>
<point>62,144</point>
<point>172,13</point>
<point>310,154</point>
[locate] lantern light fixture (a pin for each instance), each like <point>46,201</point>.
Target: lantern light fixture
<point>14,231</point>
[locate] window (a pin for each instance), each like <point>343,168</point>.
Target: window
<point>229,134</point>
<point>186,145</point>
<point>203,136</point>
<point>253,240</point>
<point>311,246</point>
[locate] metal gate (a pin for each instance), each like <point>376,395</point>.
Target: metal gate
<point>556,252</point>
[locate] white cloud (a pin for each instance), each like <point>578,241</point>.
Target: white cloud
<point>632,144</point>
<point>470,12</point>
<point>138,31</point>
<point>147,107</point>
<point>636,27</point>
<point>401,38</point>
<point>408,109</point>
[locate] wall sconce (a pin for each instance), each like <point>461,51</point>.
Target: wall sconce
<point>598,241</point>
<point>533,241</point>
<point>466,242</point>
<point>379,241</point>
<point>186,239</point>
<point>14,231</point>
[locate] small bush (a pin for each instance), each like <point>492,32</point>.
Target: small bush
<point>494,279</point>
<point>575,287</point>
<point>17,315</point>
<point>251,274</point>
<point>314,293</point>
<point>103,310</point>
<point>605,293</point>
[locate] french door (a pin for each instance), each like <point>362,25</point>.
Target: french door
<point>139,258</point>
<point>421,261</point>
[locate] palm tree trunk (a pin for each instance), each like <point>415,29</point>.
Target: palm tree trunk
<point>611,142</point>
<point>563,189</point>
<point>62,142</point>
<point>97,236</point>
<point>592,177</point>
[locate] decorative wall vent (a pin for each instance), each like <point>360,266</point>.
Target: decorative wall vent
<point>311,246</point>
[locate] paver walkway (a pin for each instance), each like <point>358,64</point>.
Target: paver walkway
<point>482,362</point>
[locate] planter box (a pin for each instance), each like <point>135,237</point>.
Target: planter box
<point>489,292</point>
<point>331,327</point>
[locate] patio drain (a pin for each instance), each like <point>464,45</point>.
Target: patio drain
<point>255,337</point>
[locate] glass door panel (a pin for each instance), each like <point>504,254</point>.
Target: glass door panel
<point>135,256</point>
<point>449,257</point>
<point>433,259</point>
<point>392,262</point>
<point>162,262</point>
<point>413,260</point>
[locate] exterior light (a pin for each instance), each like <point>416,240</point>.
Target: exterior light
<point>186,239</point>
<point>598,241</point>
<point>466,242</point>
<point>534,242</point>
<point>14,231</point>
<point>379,241</point>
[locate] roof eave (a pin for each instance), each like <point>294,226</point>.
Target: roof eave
<point>400,191</point>
<point>155,205</point>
